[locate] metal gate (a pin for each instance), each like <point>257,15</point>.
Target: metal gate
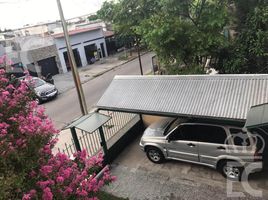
<point>48,66</point>
<point>113,130</point>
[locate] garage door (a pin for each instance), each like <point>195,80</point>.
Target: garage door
<point>48,66</point>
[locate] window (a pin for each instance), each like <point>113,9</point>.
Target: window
<point>171,126</point>
<point>176,135</point>
<point>185,132</point>
<point>38,82</point>
<point>202,133</point>
<point>212,134</point>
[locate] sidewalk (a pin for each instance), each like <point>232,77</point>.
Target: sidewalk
<point>64,82</point>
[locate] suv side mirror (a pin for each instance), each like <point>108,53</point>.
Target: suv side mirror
<point>168,139</point>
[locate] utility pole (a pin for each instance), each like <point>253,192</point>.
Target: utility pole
<point>72,62</point>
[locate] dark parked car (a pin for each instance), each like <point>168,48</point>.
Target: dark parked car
<point>44,91</point>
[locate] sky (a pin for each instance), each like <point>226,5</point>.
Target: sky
<point>17,13</point>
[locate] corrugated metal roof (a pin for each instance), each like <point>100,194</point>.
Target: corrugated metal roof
<point>217,96</point>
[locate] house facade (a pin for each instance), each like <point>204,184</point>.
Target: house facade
<point>88,45</point>
<point>35,53</point>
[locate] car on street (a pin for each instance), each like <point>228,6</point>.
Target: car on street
<point>43,90</point>
<point>229,149</point>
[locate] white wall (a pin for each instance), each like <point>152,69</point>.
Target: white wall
<point>33,42</point>
<point>78,41</point>
<point>2,37</point>
<point>32,30</point>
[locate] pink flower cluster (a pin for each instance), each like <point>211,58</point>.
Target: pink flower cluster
<point>20,117</point>
<point>5,60</point>
<point>27,139</point>
<point>61,177</point>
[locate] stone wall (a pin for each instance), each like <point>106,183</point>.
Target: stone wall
<point>43,53</point>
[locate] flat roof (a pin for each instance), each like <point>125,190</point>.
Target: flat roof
<point>227,97</point>
<point>89,122</point>
<point>77,31</point>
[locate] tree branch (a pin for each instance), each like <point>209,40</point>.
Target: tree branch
<point>200,9</point>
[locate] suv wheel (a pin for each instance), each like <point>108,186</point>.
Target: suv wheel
<point>155,155</point>
<point>231,170</point>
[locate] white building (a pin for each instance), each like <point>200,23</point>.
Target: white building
<point>88,44</point>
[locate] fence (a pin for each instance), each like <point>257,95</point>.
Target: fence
<point>92,141</point>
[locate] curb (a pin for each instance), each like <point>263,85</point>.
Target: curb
<point>104,71</point>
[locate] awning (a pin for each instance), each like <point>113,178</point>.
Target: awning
<point>257,116</point>
<point>220,97</point>
<point>90,122</point>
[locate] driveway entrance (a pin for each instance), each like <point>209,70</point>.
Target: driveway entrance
<point>138,178</point>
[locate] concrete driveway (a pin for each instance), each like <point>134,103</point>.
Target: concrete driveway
<point>140,179</point>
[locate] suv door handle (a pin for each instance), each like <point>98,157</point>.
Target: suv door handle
<point>191,145</point>
<point>221,148</point>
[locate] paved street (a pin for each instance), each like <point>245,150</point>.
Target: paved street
<point>65,107</point>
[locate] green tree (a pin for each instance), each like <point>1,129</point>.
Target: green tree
<point>93,17</point>
<point>184,33</point>
<point>248,52</point>
<point>107,11</point>
<point>126,15</point>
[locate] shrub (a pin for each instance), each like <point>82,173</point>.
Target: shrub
<point>28,169</point>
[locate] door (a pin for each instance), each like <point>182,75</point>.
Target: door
<point>89,50</point>
<point>102,50</point>
<point>48,66</point>
<point>76,58</point>
<point>212,143</point>
<point>183,143</point>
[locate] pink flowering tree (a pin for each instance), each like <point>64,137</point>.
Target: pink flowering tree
<point>28,169</point>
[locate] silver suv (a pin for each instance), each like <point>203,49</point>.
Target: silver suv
<point>226,148</point>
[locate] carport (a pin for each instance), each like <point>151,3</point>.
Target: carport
<point>221,98</point>
<point>224,99</point>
